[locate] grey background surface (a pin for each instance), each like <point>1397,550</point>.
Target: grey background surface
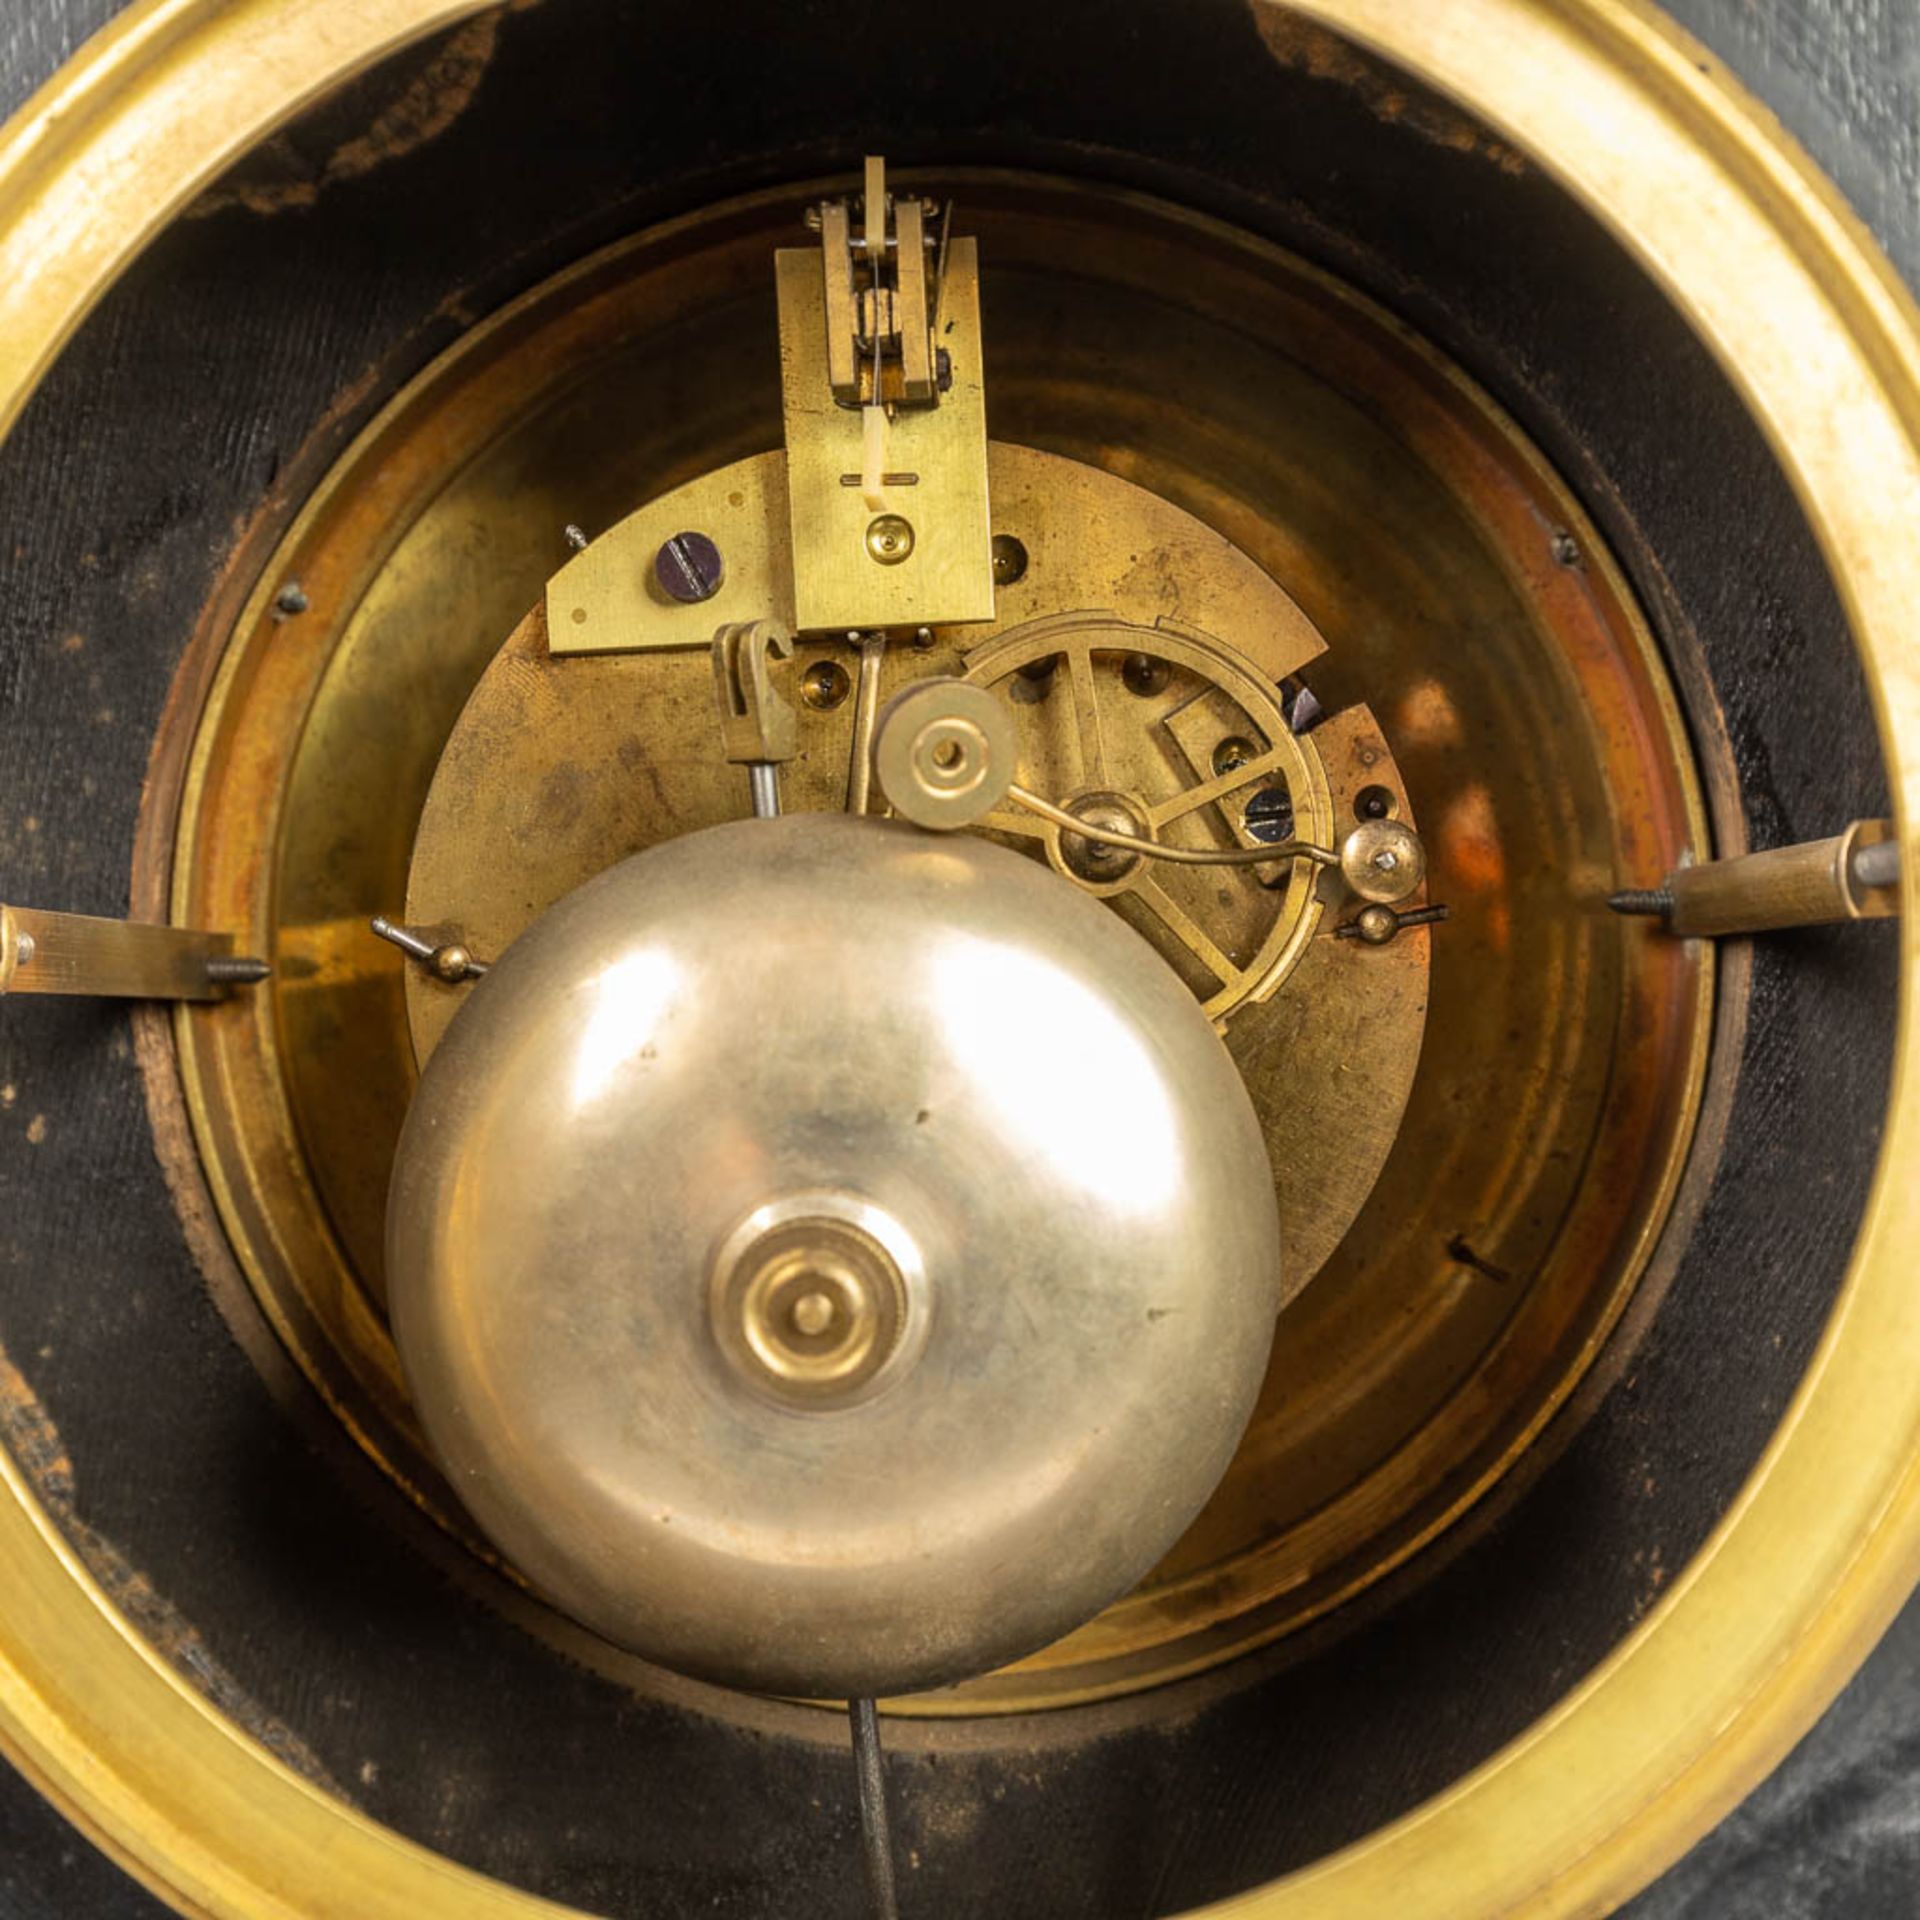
<point>1837,1830</point>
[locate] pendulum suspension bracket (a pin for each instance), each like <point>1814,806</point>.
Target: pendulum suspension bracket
<point>758,726</point>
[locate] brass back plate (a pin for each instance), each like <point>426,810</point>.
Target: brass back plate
<point>1529,718</point>
<point>561,767</point>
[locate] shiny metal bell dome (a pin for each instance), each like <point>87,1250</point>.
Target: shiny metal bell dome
<point>833,1259</point>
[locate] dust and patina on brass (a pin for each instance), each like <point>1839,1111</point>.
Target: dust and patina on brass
<point>81,955</point>
<point>812,1221</point>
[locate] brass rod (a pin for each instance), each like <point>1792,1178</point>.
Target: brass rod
<point>447,960</point>
<point>866,708</point>
<point>763,778</point>
<point>1176,856</point>
<point>1854,875</point>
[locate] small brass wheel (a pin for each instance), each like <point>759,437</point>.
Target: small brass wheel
<point>1164,732</point>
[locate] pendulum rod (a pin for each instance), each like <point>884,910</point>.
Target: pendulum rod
<point>874,1834</point>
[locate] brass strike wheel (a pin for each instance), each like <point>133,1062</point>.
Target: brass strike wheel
<point>1257,1244</point>
<point>1237,767</point>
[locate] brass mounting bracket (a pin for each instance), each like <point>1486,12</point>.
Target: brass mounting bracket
<point>81,955</point>
<point>1855,875</point>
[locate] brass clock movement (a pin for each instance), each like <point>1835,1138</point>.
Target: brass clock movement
<point>979,966</point>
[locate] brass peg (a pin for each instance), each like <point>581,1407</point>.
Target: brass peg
<point>1378,924</point>
<point>450,961</point>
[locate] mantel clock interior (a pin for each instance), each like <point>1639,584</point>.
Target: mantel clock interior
<point>971,956</point>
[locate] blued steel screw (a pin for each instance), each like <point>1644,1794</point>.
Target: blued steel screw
<point>689,568</point>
